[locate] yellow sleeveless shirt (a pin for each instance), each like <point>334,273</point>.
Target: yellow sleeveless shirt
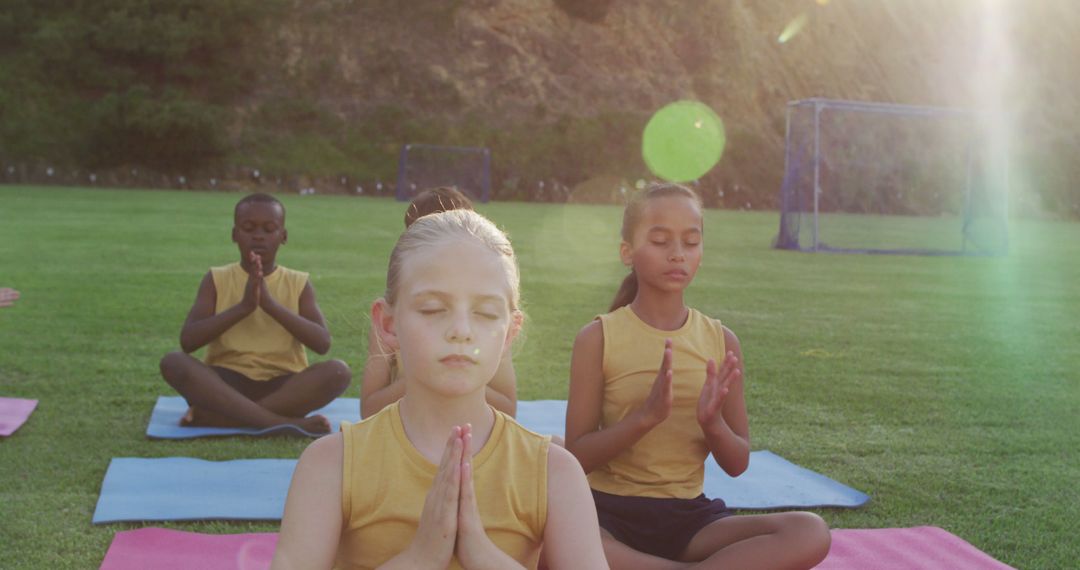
<point>385,481</point>
<point>258,346</point>
<point>669,461</point>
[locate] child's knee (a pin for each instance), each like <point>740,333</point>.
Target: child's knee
<point>815,534</point>
<point>337,375</point>
<point>172,365</point>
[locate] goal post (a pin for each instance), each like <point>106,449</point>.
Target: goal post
<point>422,166</point>
<point>885,178</point>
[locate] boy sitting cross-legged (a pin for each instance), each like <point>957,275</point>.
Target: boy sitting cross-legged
<point>255,317</point>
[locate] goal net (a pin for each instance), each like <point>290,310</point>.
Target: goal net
<point>427,166</point>
<point>881,178</point>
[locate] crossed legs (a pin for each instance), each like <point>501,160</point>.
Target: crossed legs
<point>795,540</point>
<point>215,402</point>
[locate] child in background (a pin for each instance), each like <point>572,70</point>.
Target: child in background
<point>256,318</point>
<point>644,434</point>
<point>379,387</point>
<point>435,200</point>
<point>441,478</point>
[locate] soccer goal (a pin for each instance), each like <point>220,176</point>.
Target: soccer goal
<point>422,166</point>
<point>883,178</point>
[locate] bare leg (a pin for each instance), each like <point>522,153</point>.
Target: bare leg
<point>217,403</point>
<point>796,540</point>
<point>202,417</point>
<point>621,556</point>
<point>309,389</point>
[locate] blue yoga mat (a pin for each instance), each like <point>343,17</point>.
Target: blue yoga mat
<point>165,420</point>
<point>770,482</point>
<point>182,488</point>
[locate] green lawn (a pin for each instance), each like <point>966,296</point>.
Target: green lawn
<point>946,388</point>
<point>943,234</point>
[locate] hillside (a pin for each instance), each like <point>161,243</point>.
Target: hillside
<point>561,89</point>
<point>519,62</point>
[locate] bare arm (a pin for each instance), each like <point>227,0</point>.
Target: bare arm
<point>376,390</point>
<point>203,325</point>
<point>308,327</point>
<point>311,525</point>
<point>572,533</point>
<point>592,446</point>
<point>727,433</point>
<point>501,392</point>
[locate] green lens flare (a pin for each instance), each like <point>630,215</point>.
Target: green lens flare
<point>683,141</point>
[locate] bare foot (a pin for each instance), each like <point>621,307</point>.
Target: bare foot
<point>314,424</point>
<point>196,417</point>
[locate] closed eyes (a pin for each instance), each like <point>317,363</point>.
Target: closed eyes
<point>484,314</point>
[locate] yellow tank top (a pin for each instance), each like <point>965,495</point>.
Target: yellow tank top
<point>669,461</point>
<point>258,346</point>
<point>386,480</point>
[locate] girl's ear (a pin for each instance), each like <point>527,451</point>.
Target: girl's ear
<point>626,254</point>
<point>233,234</point>
<point>284,236</point>
<point>517,318</point>
<point>382,322</point>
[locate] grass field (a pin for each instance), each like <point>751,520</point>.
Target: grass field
<point>940,234</point>
<point>946,388</point>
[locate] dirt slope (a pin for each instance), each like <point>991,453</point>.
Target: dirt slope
<point>511,60</point>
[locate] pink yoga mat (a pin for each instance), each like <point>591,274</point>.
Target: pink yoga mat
<point>164,549</point>
<point>918,548</point>
<point>13,412</point>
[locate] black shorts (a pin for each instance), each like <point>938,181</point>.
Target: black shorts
<point>251,389</point>
<point>661,527</point>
